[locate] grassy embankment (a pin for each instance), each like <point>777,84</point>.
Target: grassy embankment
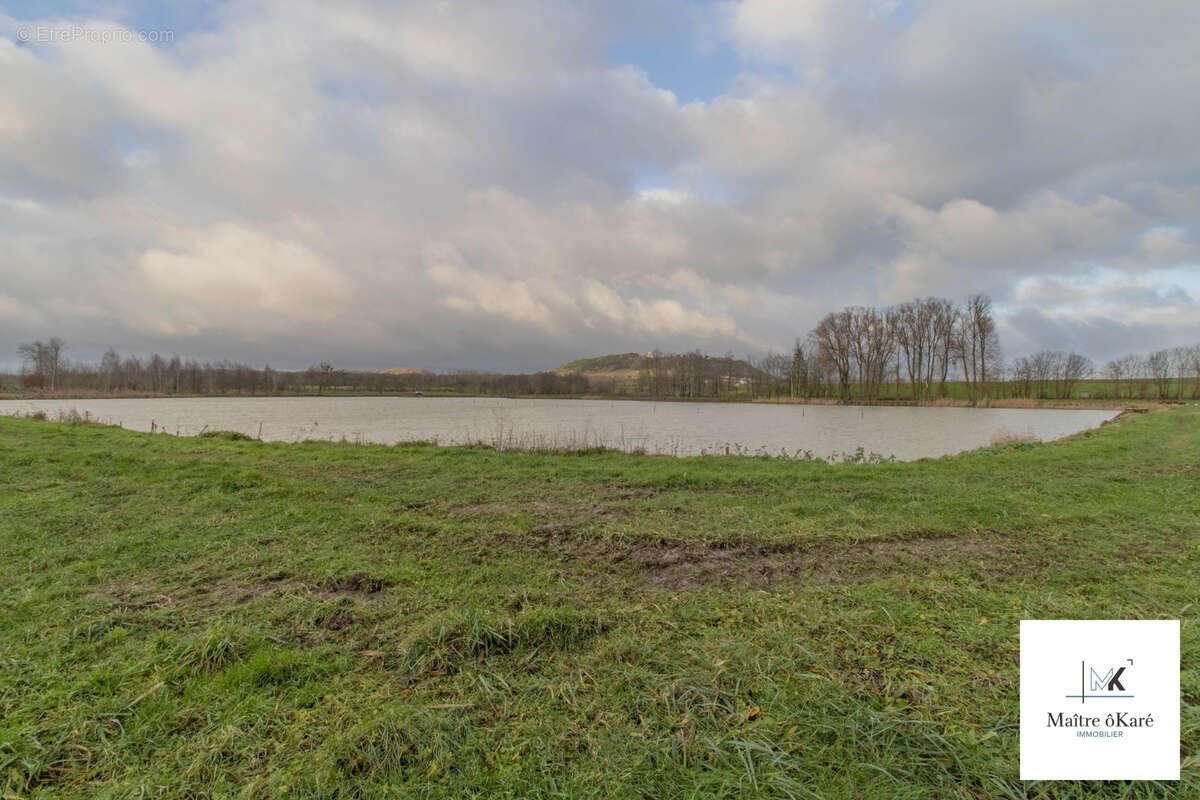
<point>186,617</point>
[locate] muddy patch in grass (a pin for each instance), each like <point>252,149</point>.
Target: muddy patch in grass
<point>679,567</point>
<point>357,582</point>
<point>131,596</point>
<point>538,508</point>
<point>338,620</point>
<point>135,596</point>
<point>551,528</point>
<point>477,509</point>
<point>233,591</point>
<point>555,518</point>
<point>689,565</point>
<point>208,596</point>
<point>228,592</point>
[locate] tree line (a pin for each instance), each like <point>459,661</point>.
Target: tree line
<point>923,350</point>
<point>45,368</point>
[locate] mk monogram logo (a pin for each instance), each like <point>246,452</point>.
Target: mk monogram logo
<point>1098,682</point>
<point>1109,681</point>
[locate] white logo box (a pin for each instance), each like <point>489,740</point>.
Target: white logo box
<point>1100,699</point>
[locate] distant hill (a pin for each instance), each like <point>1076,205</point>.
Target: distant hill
<point>620,365</point>
<point>403,371</point>
<point>628,366</point>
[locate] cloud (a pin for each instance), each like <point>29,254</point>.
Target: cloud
<point>536,303</point>
<point>554,310</point>
<point>486,186</point>
<point>13,310</point>
<point>228,270</point>
<point>670,316</point>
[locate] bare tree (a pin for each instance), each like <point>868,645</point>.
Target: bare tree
<point>1046,369</point>
<point>175,373</point>
<point>1193,369</point>
<point>1181,363</point>
<point>914,341</point>
<point>110,366</point>
<point>43,359</point>
<point>54,352</point>
<point>1022,371</point>
<point>944,324</point>
<point>31,365</point>
<point>1159,364</point>
<point>1114,371</point>
<point>977,344</point>
<point>798,374</point>
<point>1074,369</point>
<point>872,344</point>
<point>157,369</point>
<point>321,375</point>
<point>832,339</point>
<point>1138,370</point>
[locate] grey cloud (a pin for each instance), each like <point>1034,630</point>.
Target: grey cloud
<point>464,185</point>
<point>1103,338</point>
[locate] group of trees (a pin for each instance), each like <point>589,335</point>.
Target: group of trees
<point>856,352</point>
<point>1169,374</point>
<point>921,350</point>
<point>42,361</point>
<point>1048,374</point>
<point>697,375</point>
<point>1163,374</point>
<point>924,350</point>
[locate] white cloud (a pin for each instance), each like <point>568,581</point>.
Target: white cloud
<point>669,316</point>
<point>15,310</point>
<point>557,310</point>
<point>665,197</point>
<point>536,303</point>
<point>454,183</point>
<point>222,272</point>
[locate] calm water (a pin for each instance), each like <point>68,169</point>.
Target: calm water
<point>677,428</point>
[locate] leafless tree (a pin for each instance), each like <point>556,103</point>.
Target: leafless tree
<point>110,367</point>
<point>914,341</point>
<point>944,323</point>
<point>1022,372</point>
<point>1046,369</point>
<point>977,345</point>
<point>1114,372</point>
<point>798,374</point>
<point>833,341</point>
<point>43,359</point>
<point>1181,367</point>
<point>1074,369</point>
<point>1193,369</point>
<point>1159,364</point>
<point>872,345</point>
<point>1138,372</point>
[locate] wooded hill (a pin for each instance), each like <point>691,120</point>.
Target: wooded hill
<point>693,374</point>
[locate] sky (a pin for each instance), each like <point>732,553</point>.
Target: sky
<point>508,186</point>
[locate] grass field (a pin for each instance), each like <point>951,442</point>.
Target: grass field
<point>216,617</point>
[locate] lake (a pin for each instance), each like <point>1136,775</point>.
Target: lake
<point>658,427</point>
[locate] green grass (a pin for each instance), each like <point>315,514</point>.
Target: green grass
<point>227,618</point>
